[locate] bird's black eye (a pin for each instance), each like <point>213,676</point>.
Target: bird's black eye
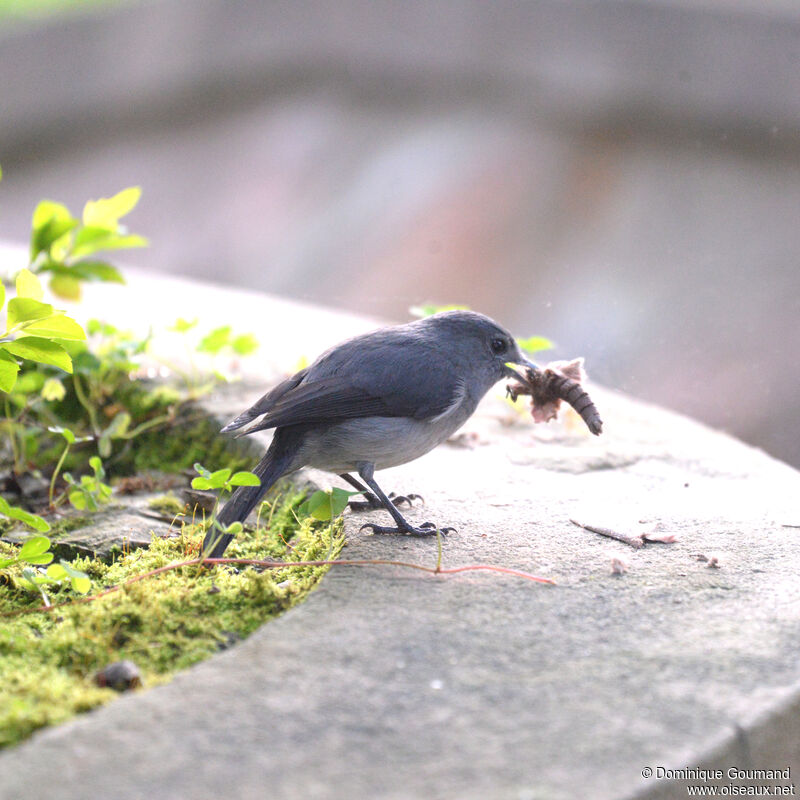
<point>499,346</point>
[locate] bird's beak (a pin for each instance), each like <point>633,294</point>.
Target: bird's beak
<point>519,362</point>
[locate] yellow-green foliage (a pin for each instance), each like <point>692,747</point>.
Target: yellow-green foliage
<point>163,624</point>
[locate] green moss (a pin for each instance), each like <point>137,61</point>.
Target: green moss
<point>167,504</point>
<point>163,624</point>
<point>61,526</point>
<point>192,437</point>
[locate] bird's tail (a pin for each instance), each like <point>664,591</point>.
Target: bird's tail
<point>276,462</point>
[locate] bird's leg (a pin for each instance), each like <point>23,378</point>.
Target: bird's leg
<point>371,502</point>
<point>366,471</point>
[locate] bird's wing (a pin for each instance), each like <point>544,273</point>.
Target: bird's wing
<point>266,402</point>
<point>382,382</point>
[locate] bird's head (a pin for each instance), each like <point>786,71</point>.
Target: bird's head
<point>479,344</point>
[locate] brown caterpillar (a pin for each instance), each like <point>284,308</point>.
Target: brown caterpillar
<point>557,381</point>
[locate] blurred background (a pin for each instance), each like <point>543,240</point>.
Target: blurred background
<point>621,176</point>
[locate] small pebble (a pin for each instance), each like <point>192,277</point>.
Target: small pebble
<point>618,566</point>
<point>120,676</point>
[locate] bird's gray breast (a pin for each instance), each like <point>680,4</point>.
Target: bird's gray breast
<point>383,441</point>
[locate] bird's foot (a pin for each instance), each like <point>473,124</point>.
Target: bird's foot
<point>426,529</point>
<point>371,503</point>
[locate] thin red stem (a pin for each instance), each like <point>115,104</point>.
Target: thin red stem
<point>280,564</point>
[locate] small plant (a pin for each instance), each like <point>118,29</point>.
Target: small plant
<point>326,504</point>
<point>90,492</point>
<point>65,246</point>
<point>35,331</point>
<point>33,520</point>
<point>34,551</point>
<point>224,481</point>
<point>220,341</point>
<point>34,554</point>
<point>70,439</point>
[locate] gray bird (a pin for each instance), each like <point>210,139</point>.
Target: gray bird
<point>372,402</point>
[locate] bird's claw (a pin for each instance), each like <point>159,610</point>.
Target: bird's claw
<point>425,529</point>
<point>406,498</point>
<point>371,503</point>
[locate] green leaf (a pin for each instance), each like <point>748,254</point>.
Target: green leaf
<point>101,239</point>
<point>43,351</point>
<point>34,546</point>
<point>32,520</point>
<point>67,287</point>
<point>215,341</point>
<point>80,580</point>
<point>56,572</point>
<point>86,238</point>
<point>96,271</point>
<point>180,325</point>
<point>339,500</point>
<point>78,499</point>
<point>97,465</point>
<point>533,344</point>
<point>201,483</point>
<point>50,222</point>
<point>219,478</point>
<point>65,432</point>
<point>29,578</point>
<point>53,390</point>
<point>119,425</point>
<point>325,505</point>
<point>47,210</point>
<point>24,309</point>
<point>70,570</point>
<point>8,371</point>
<point>245,479</point>
<point>319,506</point>
<point>44,558</point>
<point>81,585</point>
<point>116,429</point>
<point>29,381</point>
<point>234,529</point>
<point>201,470</point>
<point>28,285</point>
<point>59,326</point>
<point>106,211</point>
<point>7,562</point>
<point>245,344</point>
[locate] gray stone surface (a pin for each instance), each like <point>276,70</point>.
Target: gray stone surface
<point>390,683</point>
<point>111,530</point>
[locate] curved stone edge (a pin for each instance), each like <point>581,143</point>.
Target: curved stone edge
<point>768,738</point>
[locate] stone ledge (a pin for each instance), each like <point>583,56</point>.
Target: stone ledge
<point>389,684</point>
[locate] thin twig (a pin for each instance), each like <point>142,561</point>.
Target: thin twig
<point>253,562</point>
<point>634,541</point>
